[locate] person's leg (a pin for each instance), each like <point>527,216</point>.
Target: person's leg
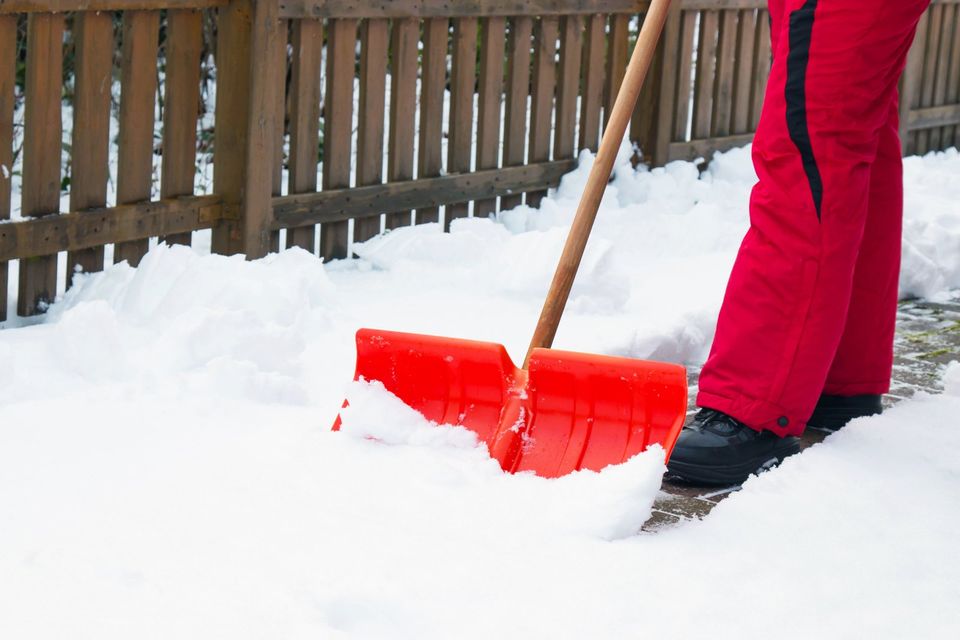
<point>862,366</point>
<point>827,104</point>
<point>864,358</point>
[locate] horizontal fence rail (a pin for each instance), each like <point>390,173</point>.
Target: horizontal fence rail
<point>337,119</point>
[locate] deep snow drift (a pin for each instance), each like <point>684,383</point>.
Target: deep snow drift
<point>167,470</point>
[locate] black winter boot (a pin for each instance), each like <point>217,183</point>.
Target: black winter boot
<point>719,450</point>
<point>833,412</point>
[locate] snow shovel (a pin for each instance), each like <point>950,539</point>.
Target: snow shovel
<point>561,411</point>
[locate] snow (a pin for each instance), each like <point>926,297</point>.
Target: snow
<point>167,469</point>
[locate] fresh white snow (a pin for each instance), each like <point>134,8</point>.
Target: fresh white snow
<point>167,469</point>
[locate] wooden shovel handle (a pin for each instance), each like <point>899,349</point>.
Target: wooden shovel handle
<point>599,176</point>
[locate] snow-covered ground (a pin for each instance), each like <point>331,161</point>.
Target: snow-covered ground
<point>167,469</point>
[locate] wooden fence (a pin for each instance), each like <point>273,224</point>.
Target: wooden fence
<point>542,74</point>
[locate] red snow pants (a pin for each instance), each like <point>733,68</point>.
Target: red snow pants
<point>811,303</point>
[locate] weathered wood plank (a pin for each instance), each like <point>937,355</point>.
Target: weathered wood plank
<point>591,100</point>
<point>941,138</point>
<point>8,77</point>
<point>95,227</point>
<point>491,95</point>
<point>706,68</point>
<point>746,34</point>
<point>181,107</point>
<point>617,56</point>
<point>232,110</point>
<point>404,44</point>
<point>463,78</point>
<point>568,85</point>
<point>305,120</point>
<point>938,68</point>
<point>342,204</point>
<point>138,95</point>
<point>267,61</point>
<point>929,72</point>
<point>518,91</point>
<point>432,85</point>
<point>645,120</point>
<point>667,103</point>
<point>64,6</point>
<point>338,128</point>
<point>929,117</point>
<point>705,148</point>
<point>762,58</point>
<point>373,90</point>
<point>460,9</point>
<point>542,97</point>
<point>40,193</point>
<point>89,169</point>
<point>910,84</point>
<point>723,86</point>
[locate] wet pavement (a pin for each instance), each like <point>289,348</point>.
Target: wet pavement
<point>928,338</point>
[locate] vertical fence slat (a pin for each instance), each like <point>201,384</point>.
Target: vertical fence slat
<point>929,72</point>
<point>645,118</point>
<point>138,95</point>
<point>403,101</point>
<point>939,134</point>
<point>761,67</point>
<point>910,85</point>
<point>433,82</point>
<point>373,89</point>
<point>491,94</point>
<point>617,56</point>
<point>8,77</point>
<point>518,91</point>
<point>541,104</point>
<point>952,134</point>
<point>266,62</point>
<point>723,86</point>
<point>669,85</point>
<point>706,67</point>
<point>592,82</point>
<point>568,85</point>
<point>305,120</point>
<point>936,71</point>
<point>338,127</point>
<point>463,77</point>
<point>746,32</point>
<point>180,108</point>
<point>41,151</point>
<point>90,145</point>
<point>232,115</point>
<point>279,92</point>
<point>688,41</point>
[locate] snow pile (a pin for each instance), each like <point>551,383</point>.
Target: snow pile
<point>167,469</point>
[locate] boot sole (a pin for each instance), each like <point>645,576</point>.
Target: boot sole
<point>725,475</point>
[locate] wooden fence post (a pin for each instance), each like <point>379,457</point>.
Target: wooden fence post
<point>246,112</point>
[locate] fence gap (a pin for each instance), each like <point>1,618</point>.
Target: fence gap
<point>8,77</point>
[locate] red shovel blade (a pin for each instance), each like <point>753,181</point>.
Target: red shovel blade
<point>570,411</point>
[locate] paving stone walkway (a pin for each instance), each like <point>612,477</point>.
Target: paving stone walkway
<point>928,338</point>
